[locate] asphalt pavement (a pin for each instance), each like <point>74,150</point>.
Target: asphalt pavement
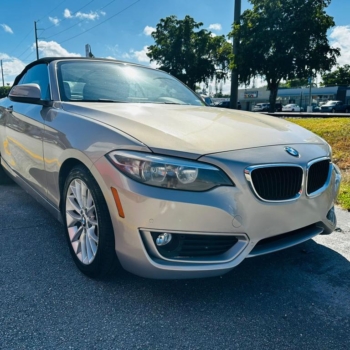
<point>298,298</point>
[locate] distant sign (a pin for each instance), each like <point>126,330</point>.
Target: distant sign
<point>251,94</point>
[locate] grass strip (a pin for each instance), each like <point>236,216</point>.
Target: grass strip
<point>336,131</point>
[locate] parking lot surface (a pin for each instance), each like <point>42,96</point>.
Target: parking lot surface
<point>294,299</point>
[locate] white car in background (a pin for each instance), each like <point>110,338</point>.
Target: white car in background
<point>291,108</point>
<point>261,107</point>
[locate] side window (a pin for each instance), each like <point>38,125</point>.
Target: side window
<point>38,75</point>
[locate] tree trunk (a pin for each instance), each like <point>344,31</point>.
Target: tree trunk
<point>273,87</point>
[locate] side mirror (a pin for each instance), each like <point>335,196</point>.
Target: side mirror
<point>27,93</point>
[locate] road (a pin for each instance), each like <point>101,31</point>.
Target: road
<point>295,299</point>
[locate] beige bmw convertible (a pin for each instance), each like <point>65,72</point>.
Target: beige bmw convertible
<point>144,176</point>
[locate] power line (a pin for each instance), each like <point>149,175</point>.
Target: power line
<point>85,31</point>
<point>24,59</point>
<point>83,20</point>
<point>30,32</point>
<point>52,10</point>
<point>24,52</point>
<point>74,13</point>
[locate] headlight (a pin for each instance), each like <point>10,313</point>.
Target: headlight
<point>168,172</point>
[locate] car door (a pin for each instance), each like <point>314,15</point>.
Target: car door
<point>24,132</point>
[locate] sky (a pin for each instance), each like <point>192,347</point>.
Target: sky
<point>118,29</point>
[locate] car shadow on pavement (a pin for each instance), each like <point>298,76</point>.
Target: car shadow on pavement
<point>301,292</point>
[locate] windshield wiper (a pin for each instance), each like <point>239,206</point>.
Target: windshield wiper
<point>110,100</point>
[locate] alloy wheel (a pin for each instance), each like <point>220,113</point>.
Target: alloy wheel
<point>82,223</point>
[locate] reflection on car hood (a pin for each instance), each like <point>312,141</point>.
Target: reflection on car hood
<point>192,129</point>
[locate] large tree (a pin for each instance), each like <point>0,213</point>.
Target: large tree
<point>191,54</point>
<point>283,40</point>
<point>295,83</point>
<point>341,76</point>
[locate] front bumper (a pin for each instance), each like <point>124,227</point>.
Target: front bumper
<point>223,211</point>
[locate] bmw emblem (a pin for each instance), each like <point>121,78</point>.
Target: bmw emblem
<point>293,152</point>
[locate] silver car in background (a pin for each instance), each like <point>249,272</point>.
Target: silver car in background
<point>261,107</point>
<point>144,176</point>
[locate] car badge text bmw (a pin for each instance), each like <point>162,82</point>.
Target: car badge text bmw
<point>293,152</point>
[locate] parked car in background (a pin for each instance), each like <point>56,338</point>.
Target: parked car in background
<point>223,104</point>
<point>278,107</point>
<point>144,176</point>
<point>261,107</point>
<point>226,104</point>
<point>335,107</point>
<point>291,107</point>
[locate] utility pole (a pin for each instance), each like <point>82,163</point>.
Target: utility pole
<point>36,41</point>
<point>234,74</point>
<point>2,74</point>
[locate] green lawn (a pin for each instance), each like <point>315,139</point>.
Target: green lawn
<point>336,131</point>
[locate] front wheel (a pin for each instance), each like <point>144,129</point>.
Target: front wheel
<point>88,225</point>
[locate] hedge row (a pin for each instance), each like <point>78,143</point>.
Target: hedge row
<point>4,90</point>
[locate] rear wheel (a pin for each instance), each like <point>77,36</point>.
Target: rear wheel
<point>88,225</point>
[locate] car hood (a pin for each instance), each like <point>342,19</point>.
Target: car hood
<point>193,129</point>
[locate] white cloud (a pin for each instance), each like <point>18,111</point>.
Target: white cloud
<point>4,56</point>
<point>54,20</point>
<point>140,55</point>
<point>53,49</point>
<point>154,65</point>
<point>339,38</point>
<point>148,30</point>
<point>215,26</point>
<point>110,58</point>
<point>91,16</point>
<point>126,55</point>
<point>12,66</point>
<point>67,14</point>
<point>6,28</point>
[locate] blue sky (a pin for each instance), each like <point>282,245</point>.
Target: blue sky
<point>122,27</point>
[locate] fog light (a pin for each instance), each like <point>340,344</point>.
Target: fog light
<point>163,239</point>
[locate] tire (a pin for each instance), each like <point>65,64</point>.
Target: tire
<point>89,233</point>
<point>292,110</point>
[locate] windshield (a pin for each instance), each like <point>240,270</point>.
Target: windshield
<point>94,81</point>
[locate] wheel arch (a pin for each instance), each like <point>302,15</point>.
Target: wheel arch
<point>65,169</point>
